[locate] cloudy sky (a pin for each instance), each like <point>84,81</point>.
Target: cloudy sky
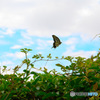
<point>31,24</point>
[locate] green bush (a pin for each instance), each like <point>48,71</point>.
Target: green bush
<point>82,75</point>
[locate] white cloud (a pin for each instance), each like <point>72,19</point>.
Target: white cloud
<point>42,44</point>
<point>82,53</point>
<point>26,42</point>
<point>71,41</point>
<point>18,55</point>
<point>45,17</point>
<point>25,35</point>
<point>16,47</point>
<point>7,31</point>
<point>85,53</point>
<point>85,12</point>
<point>7,62</point>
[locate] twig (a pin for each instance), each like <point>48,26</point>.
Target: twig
<point>95,36</point>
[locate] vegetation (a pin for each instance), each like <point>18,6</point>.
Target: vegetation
<point>82,75</point>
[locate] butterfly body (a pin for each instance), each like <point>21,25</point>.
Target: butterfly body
<point>57,41</point>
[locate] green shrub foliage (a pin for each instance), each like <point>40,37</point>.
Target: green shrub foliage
<point>82,75</point>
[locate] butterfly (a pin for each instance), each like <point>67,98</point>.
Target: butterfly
<point>57,41</point>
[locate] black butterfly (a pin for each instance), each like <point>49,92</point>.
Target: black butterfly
<point>57,41</point>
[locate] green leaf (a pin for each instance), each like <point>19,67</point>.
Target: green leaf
<point>49,56</point>
<point>48,95</point>
<point>34,73</point>
<point>39,93</point>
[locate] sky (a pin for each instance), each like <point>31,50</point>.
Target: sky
<point>31,24</point>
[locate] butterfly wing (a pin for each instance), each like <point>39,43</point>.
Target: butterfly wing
<point>55,38</point>
<point>57,41</point>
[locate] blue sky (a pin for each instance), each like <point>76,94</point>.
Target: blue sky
<point>31,24</point>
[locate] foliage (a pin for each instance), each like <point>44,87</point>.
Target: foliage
<point>82,75</point>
